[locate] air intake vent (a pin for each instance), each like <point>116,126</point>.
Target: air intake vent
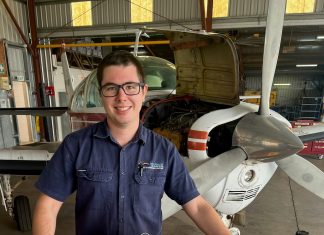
<point>242,195</point>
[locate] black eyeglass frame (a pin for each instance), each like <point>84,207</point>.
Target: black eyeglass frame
<point>121,86</point>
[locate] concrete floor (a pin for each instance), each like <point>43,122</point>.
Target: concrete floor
<point>271,213</point>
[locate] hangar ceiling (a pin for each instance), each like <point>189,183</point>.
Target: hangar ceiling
<point>246,27</point>
<point>299,45</point>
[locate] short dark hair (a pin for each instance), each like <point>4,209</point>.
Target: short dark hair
<point>119,57</point>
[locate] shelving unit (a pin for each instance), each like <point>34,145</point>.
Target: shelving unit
<point>310,107</point>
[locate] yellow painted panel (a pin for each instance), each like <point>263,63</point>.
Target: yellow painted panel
<point>141,11</point>
<point>300,6</point>
<point>81,13</point>
<point>220,8</point>
<point>273,97</point>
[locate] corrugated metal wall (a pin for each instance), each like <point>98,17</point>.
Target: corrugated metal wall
<point>176,10</point>
<point>53,15</point>
<point>7,28</point>
<point>50,15</point>
<point>248,7</point>
<point>110,12</point>
<point>301,85</point>
<point>319,6</point>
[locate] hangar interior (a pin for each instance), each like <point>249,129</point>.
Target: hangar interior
<point>33,32</point>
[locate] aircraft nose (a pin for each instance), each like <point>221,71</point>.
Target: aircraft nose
<point>265,138</point>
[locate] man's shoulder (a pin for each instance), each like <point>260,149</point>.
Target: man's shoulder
<point>88,131</point>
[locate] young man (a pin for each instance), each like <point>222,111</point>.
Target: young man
<point>119,168</point>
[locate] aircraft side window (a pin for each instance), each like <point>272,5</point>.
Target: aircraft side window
<point>93,97</point>
<point>77,102</point>
<point>169,80</point>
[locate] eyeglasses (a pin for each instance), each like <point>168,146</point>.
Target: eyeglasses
<point>130,88</point>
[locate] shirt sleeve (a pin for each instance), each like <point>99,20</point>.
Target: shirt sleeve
<point>179,185</point>
<point>58,179</point>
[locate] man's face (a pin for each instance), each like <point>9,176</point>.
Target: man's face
<point>122,110</point>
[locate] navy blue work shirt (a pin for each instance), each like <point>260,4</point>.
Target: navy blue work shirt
<point>119,189</point>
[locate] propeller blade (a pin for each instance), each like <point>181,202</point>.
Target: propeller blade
<point>207,175</point>
<point>275,18</point>
<point>303,173</point>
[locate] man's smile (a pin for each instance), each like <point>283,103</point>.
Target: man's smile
<point>123,108</point>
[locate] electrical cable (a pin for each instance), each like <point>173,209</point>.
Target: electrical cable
<point>299,232</point>
<point>293,202</point>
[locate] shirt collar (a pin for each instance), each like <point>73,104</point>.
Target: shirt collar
<point>102,131</point>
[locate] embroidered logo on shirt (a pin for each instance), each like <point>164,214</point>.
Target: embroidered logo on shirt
<point>155,166</point>
<point>151,165</point>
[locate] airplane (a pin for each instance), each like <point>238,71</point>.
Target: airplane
<point>231,148</point>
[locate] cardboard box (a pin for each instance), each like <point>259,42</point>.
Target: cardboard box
<point>272,102</point>
<point>4,83</point>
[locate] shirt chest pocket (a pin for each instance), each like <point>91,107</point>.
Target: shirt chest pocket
<point>94,189</point>
<point>148,188</point>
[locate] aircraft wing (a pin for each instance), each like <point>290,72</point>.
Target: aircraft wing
<point>310,133</point>
<point>26,159</point>
<point>35,111</point>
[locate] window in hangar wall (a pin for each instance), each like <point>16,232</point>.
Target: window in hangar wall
<point>220,8</point>
<point>81,13</point>
<point>141,11</point>
<point>300,6</point>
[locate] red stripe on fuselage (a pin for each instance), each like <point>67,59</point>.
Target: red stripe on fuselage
<point>198,134</point>
<point>196,146</point>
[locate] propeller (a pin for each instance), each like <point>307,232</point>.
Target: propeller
<point>298,169</point>
<point>262,136</point>
<point>204,177</point>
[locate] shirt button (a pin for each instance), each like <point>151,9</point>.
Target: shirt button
<point>122,196</point>
<point>121,220</point>
<point>122,173</point>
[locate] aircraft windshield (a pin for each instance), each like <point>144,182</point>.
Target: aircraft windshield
<point>160,75</point>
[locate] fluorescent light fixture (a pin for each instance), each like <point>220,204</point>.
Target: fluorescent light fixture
<point>307,39</point>
<point>139,46</point>
<point>308,47</point>
<point>320,37</point>
<point>306,65</point>
<point>282,84</point>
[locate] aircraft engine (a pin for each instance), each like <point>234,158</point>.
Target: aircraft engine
<point>173,118</point>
